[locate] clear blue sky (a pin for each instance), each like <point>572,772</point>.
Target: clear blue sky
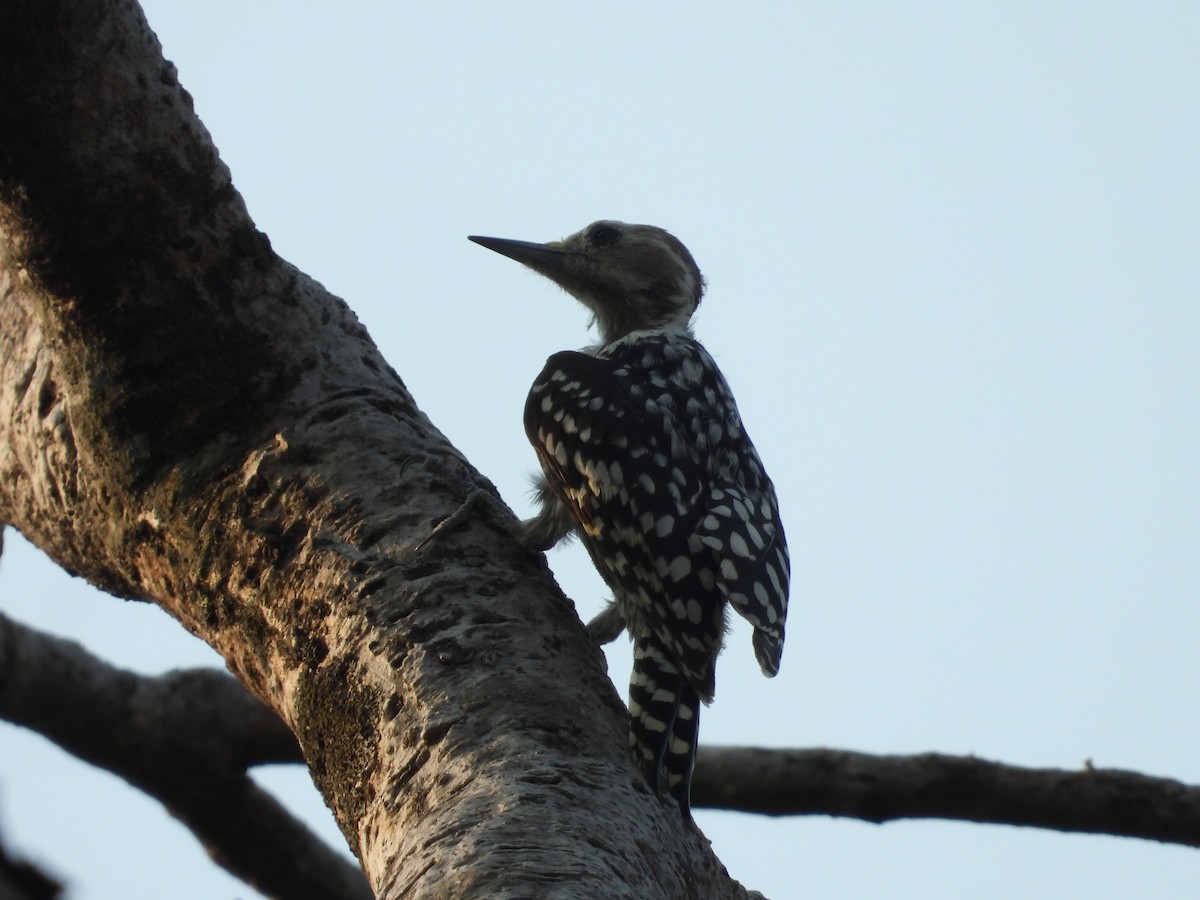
<point>953,254</point>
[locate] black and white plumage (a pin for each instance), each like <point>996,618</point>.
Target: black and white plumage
<point>645,457</point>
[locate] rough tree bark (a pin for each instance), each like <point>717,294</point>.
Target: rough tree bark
<point>186,419</point>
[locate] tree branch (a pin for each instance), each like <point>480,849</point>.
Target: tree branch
<point>189,420</point>
<point>184,738</point>
<point>933,785</point>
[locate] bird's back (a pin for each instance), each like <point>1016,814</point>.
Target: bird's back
<point>643,441</point>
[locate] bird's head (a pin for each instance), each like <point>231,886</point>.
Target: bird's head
<point>631,277</point>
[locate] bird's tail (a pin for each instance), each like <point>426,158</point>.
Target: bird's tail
<point>664,713</point>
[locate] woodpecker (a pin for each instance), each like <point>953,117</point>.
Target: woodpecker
<point>644,456</point>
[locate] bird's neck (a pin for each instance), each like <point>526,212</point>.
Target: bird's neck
<point>613,329</point>
<point>606,347</point>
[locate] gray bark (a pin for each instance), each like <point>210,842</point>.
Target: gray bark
<point>188,420</point>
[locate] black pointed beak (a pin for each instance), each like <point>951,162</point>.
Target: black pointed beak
<point>544,258</point>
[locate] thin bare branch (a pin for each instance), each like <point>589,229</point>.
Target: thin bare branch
<point>934,785</point>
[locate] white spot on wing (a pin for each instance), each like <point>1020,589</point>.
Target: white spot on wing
<point>681,567</point>
<point>737,544</point>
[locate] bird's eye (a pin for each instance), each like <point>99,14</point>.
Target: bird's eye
<point>603,235</point>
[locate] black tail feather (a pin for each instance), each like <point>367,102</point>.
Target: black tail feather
<point>664,711</point>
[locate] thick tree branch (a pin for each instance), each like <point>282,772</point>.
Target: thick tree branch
<point>187,419</point>
<point>185,738</point>
<point>933,785</point>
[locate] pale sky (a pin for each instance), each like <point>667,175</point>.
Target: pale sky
<point>954,280</point>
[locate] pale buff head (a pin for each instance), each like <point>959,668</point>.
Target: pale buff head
<point>631,277</point>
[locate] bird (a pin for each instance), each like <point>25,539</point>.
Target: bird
<point>644,456</point>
